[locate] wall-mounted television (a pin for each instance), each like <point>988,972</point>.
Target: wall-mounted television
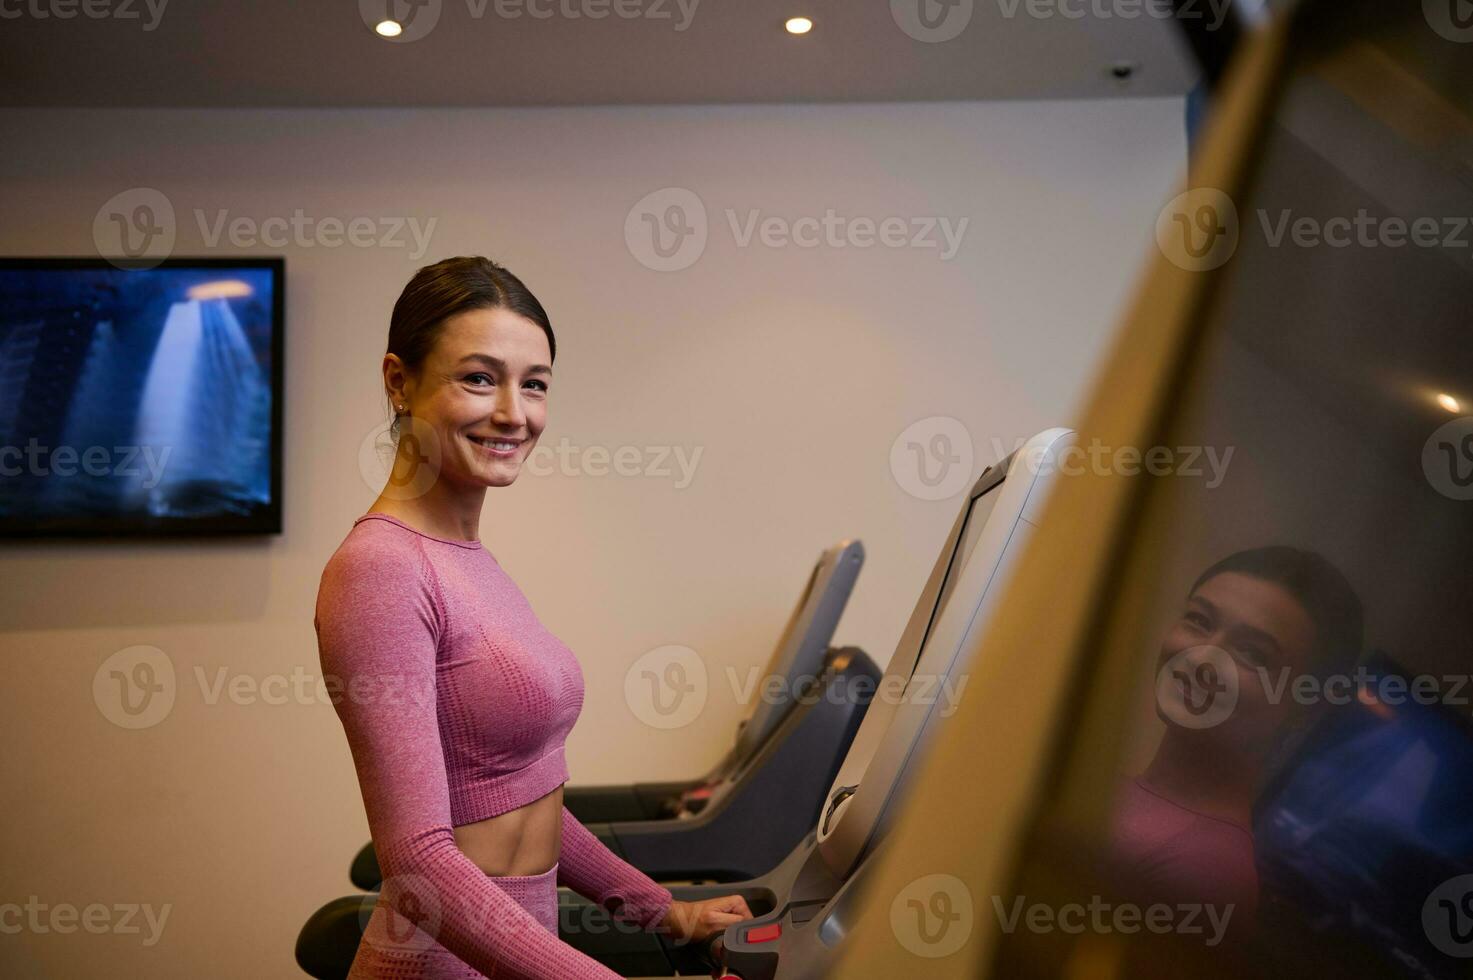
<point>140,401</point>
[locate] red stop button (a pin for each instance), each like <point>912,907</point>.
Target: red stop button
<point>764,934</point>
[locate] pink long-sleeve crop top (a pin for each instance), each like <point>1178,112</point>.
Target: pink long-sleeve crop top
<point>456,702</point>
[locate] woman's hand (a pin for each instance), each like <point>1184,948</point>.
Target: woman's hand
<point>694,922</point>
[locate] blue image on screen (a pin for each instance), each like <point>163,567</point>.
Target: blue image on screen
<point>135,394</point>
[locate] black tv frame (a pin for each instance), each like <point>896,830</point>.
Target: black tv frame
<point>32,530</point>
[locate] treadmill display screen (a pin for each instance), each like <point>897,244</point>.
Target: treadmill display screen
<point>764,710</point>
<point>971,531</point>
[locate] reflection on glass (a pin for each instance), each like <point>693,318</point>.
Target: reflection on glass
<point>1302,752</point>
<point>1251,626</point>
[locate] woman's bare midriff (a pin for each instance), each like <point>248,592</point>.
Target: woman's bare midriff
<point>524,841</point>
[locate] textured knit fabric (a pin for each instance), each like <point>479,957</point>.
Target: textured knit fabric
<point>1163,852</point>
<point>396,946</point>
<point>456,702</point>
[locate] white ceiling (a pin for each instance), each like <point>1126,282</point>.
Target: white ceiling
<point>322,52</point>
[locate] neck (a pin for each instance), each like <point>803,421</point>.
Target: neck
<point>444,509</point>
<point>1215,783</point>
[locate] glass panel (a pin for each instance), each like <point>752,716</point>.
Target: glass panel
<point>1295,793</point>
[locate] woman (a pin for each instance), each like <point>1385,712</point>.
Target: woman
<point>455,699</point>
<point>1182,830</point>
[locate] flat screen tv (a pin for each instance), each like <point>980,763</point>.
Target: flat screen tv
<point>140,402</point>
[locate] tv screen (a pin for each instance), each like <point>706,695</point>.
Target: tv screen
<point>140,401</point>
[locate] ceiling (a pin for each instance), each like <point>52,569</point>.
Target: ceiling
<point>497,53</point>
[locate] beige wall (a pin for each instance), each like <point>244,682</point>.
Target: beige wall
<point>792,370</point>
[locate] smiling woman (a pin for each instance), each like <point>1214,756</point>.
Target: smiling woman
<point>469,364</point>
<point>463,790</point>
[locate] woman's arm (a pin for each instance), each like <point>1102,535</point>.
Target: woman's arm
<point>599,875</point>
<point>377,627</point>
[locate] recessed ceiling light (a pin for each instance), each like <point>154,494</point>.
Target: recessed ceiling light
<point>389,28</point>
<point>1448,402</point>
<point>798,25</point>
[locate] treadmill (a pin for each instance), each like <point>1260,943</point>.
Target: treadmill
<point>802,651</point>
<point>805,905</point>
<point>744,815</point>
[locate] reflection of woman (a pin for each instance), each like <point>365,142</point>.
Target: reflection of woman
<point>456,700</point>
<point>1182,829</point>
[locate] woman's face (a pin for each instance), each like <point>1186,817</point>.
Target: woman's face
<point>1244,625</point>
<point>483,391</point>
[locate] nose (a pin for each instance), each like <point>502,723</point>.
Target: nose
<point>507,412</point>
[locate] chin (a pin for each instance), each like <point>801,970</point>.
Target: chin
<point>500,476</point>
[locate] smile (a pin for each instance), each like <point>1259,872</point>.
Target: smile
<point>497,447</point>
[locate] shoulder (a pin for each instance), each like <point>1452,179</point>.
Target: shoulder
<point>375,561</point>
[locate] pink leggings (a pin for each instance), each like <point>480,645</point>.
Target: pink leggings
<point>393,947</point>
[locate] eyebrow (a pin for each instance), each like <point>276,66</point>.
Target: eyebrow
<point>500,365</point>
